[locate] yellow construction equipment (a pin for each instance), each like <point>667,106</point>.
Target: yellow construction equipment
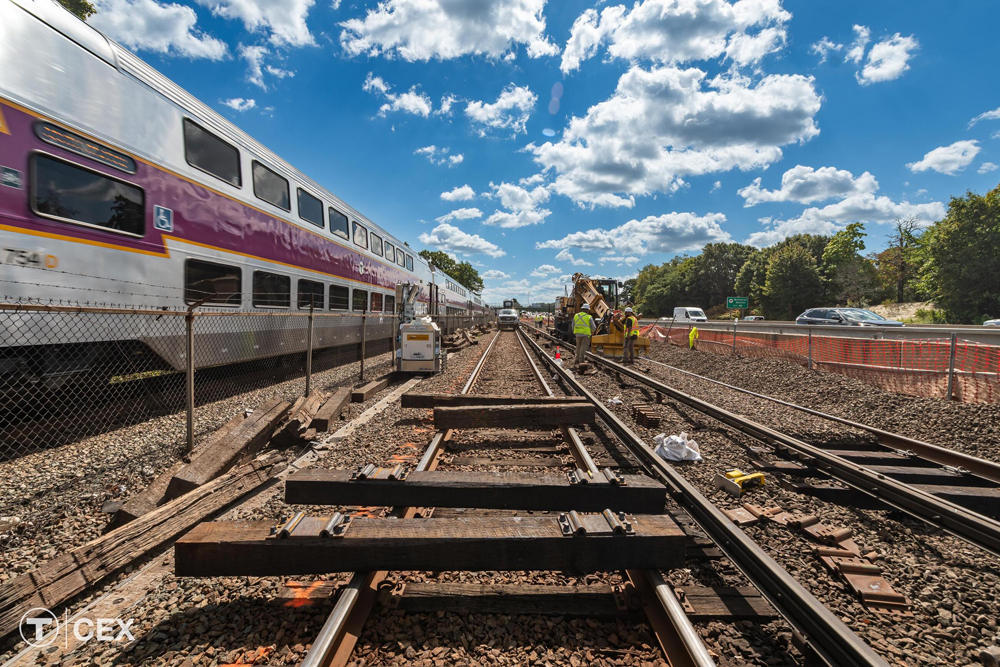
<point>602,296</point>
<point>735,481</point>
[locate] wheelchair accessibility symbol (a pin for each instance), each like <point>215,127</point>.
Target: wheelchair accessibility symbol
<point>163,219</point>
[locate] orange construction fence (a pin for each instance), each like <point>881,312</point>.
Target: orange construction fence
<point>964,370</point>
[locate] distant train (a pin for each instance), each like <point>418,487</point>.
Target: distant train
<point>119,186</point>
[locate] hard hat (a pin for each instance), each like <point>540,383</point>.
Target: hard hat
<point>628,309</point>
<point>586,306</point>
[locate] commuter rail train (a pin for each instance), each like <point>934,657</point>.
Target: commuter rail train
<point>119,186</point>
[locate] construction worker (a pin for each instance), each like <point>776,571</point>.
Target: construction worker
<point>631,333</point>
<point>583,327</point>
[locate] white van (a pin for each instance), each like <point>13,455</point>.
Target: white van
<point>682,315</point>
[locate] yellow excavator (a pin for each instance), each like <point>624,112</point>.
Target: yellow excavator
<point>602,295</point>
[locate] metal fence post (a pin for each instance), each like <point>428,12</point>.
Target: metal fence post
<point>734,338</point>
<point>364,336</point>
<point>810,365</point>
<point>309,352</point>
<point>189,322</point>
<point>951,366</point>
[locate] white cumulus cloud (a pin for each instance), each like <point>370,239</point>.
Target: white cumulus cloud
<point>987,167</point>
<point>495,274</point>
<point>164,28</point>
<point>522,204</point>
<point>545,270</point>
<point>862,35</point>
<point>948,159</point>
<point>444,29</point>
<point>439,156</point>
<point>284,21</point>
<point>863,207</point>
<point>676,31</point>
<point>461,193</point>
<point>806,185</point>
<point>667,233</point>
<point>412,101</point>
<point>824,47</point>
<point>510,112</point>
<point>452,239</point>
<point>888,59</point>
<point>665,124</point>
<point>565,255</point>
<point>461,214</point>
<point>240,104</point>
<point>988,115</point>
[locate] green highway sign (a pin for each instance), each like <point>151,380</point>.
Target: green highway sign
<point>737,302</point>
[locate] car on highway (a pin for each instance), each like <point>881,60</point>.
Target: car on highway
<point>689,314</point>
<point>753,318</point>
<point>858,317</point>
<point>991,323</point>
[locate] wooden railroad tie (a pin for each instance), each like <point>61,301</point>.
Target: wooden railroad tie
<point>568,542</point>
<point>515,416</point>
<point>415,400</point>
<point>645,415</point>
<point>488,490</point>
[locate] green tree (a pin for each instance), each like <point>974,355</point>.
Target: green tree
<point>716,269</point>
<point>81,8</point>
<point>752,276</point>
<point>963,251</point>
<point>793,283</point>
<point>463,272</point>
<point>853,277</point>
<point>844,246</point>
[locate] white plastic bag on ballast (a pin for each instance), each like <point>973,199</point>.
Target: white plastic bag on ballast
<point>617,400</point>
<point>677,448</point>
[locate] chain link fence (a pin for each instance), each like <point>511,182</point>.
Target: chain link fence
<point>70,372</point>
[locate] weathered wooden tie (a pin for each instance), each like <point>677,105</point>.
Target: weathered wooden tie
<point>330,411</point>
<point>514,416</point>
<point>493,490</point>
<point>568,542</point>
<point>241,443</point>
<point>413,400</point>
<point>362,394</point>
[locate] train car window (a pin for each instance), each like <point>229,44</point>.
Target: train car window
<point>271,290</point>
<point>409,262</point>
<point>390,252</point>
<point>205,151</point>
<point>218,284</point>
<point>359,304</point>
<point>360,235</point>
<point>270,187</point>
<point>400,257</point>
<point>390,304</point>
<point>338,224</point>
<point>377,245</point>
<point>376,302</point>
<point>310,293</point>
<point>71,193</point>
<point>310,208</point>
<point>340,297</point>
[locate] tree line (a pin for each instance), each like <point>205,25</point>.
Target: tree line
<point>954,262</point>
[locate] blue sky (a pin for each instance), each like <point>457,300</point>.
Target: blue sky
<point>539,138</point>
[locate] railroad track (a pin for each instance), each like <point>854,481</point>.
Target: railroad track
<point>943,488</point>
<point>677,637</point>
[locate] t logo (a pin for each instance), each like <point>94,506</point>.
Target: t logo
<point>33,626</point>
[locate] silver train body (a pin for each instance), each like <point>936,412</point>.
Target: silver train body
<point>72,100</point>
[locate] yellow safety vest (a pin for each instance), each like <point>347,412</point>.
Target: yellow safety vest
<point>631,327</point>
<point>581,324</point>
<point>693,337</point>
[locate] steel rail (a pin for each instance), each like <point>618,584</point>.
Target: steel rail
<point>959,521</point>
<point>937,454</point>
<point>678,638</point>
<point>327,643</point>
<point>820,630</point>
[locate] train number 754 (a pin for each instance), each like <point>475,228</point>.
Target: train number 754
<point>32,258</point>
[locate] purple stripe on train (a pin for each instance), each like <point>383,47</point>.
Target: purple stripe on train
<point>199,215</point>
